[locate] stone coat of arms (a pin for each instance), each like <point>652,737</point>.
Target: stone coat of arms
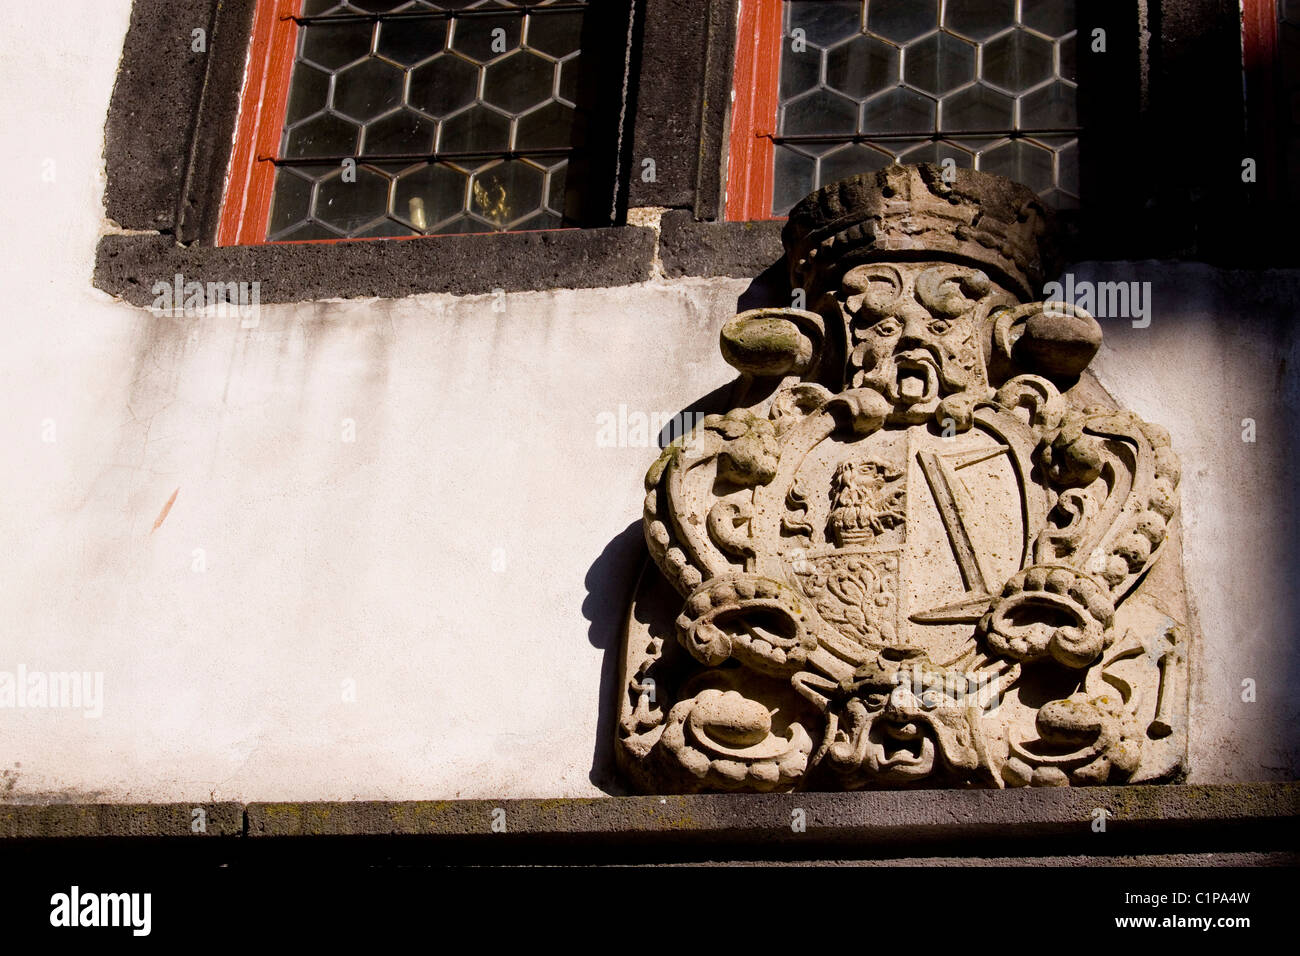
<point>924,548</point>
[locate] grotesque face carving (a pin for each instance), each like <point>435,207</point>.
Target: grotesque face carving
<point>907,720</point>
<point>913,336</point>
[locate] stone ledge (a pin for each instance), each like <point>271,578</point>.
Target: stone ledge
<point>862,817</point>
<point>116,820</point>
<point>1154,820</point>
<point>128,265</point>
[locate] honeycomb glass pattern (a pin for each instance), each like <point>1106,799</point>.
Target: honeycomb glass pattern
<point>407,117</point>
<point>988,84</point>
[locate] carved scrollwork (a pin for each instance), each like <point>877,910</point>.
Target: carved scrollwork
<point>774,342</point>
<point>761,622</point>
<point>1050,610</point>
<point>739,449</point>
<point>1081,739</point>
<point>722,739</point>
<point>1118,480</point>
<point>1037,396</point>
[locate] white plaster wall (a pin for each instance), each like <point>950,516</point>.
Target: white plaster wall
<point>465,561</point>
<point>1221,349</point>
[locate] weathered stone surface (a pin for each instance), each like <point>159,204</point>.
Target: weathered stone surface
<point>1253,821</point>
<point>128,266</point>
<point>911,210</point>
<point>916,552</point>
<point>1061,343</point>
<point>1145,825</point>
<point>866,818</point>
<point>740,249</point>
<point>110,820</point>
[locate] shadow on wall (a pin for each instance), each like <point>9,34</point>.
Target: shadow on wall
<point>612,578</point>
<point>1213,358</point>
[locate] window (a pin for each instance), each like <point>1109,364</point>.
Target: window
<point>1271,57</point>
<point>860,84</point>
<point>387,118</point>
<point>192,150</point>
<point>1288,123</point>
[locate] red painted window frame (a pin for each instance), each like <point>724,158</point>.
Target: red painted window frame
<point>251,182</point>
<point>751,154</point>
<point>1259,37</point>
<point>755,99</point>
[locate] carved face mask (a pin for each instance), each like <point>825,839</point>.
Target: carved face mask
<point>905,722</point>
<point>913,336</point>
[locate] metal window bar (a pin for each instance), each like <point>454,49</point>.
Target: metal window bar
<point>497,12</point>
<point>463,157</point>
<point>575,6</point>
<point>928,134</point>
<point>372,159</point>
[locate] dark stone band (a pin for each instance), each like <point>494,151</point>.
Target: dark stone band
<point>1163,823</point>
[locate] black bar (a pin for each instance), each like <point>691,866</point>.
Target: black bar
<point>931,135</point>
<point>440,14</point>
<point>431,158</point>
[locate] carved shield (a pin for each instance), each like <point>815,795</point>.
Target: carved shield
<point>921,575</point>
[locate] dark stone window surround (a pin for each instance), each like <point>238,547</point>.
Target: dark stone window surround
<point>172,117</point>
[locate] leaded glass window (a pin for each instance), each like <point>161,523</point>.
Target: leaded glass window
<point>989,84</point>
<point>412,117</point>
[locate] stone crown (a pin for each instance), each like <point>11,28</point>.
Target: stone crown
<point>970,217</point>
